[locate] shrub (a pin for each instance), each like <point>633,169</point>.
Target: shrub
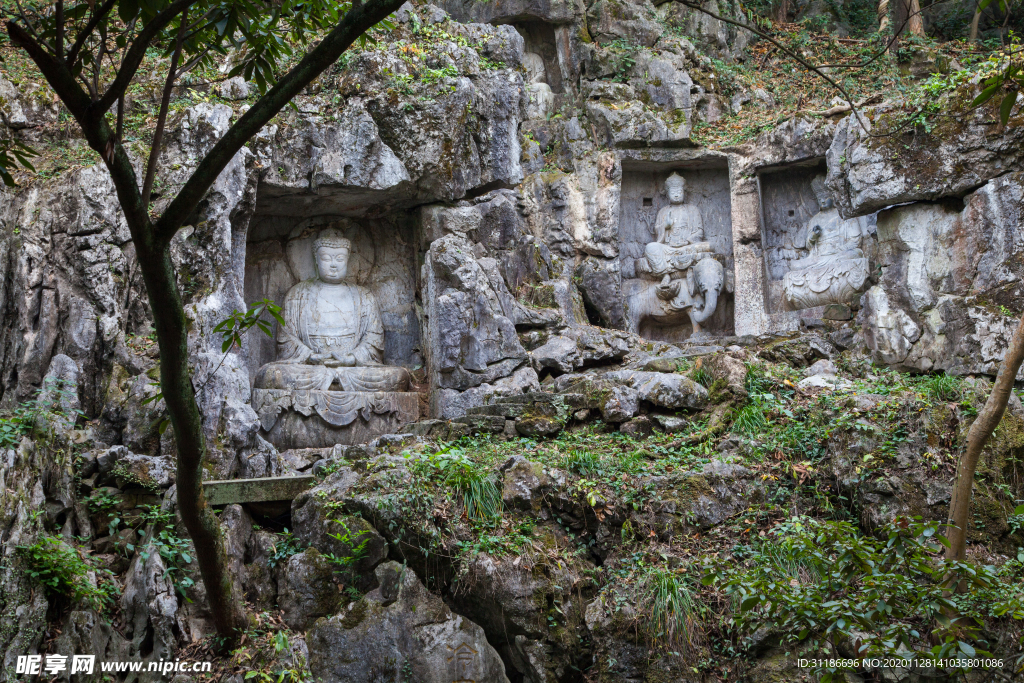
<point>63,572</point>
<point>824,583</point>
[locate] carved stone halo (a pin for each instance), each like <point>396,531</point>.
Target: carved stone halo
<point>299,250</point>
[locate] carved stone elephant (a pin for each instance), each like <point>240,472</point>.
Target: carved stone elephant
<point>693,298</point>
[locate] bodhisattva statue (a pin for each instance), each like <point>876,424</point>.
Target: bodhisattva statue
<point>691,277</point>
<point>329,352</point>
<point>542,100</point>
<point>835,269</point>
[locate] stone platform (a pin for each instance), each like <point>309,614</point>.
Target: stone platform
<point>319,419</point>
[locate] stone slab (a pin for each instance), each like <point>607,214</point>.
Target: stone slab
<point>258,490</point>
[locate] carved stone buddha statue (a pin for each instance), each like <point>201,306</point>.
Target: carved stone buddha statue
<point>691,275</point>
<point>542,99</point>
<point>835,269</point>
<point>329,353</point>
<point>678,233</point>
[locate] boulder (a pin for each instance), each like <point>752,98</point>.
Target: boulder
<point>401,631</point>
<point>307,590</point>
<point>663,389</point>
<point>620,405</point>
<point>523,485</point>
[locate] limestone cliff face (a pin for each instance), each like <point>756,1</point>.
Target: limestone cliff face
<point>505,250</point>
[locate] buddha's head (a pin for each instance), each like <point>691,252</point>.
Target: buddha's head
<point>821,193</point>
<point>331,250</point>
<point>675,187</point>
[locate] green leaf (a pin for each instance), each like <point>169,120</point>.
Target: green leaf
<point>1019,510</point>
<point>988,92</point>
<point>127,10</point>
<point>1006,107</point>
<point>966,649</point>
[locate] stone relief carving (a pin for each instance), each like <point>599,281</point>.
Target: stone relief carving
<point>542,99</point>
<point>834,269</point>
<point>329,358</point>
<point>690,275</point>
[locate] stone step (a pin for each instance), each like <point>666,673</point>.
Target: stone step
<point>507,410</point>
<point>483,423</point>
<point>259,490</point>
<point>572,401</point>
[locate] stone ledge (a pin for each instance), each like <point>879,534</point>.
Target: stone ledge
<point>257,490</point>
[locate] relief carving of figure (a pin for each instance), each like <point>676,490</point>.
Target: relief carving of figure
<point>542,99</point>
<point>330,351</point>
<point>835,269</point>
<point>691,276</point>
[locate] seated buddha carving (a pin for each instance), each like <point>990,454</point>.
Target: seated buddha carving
<point>333,339</point>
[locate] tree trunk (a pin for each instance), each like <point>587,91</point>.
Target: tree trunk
<point>915,20</point>
<point>973,37</point>
<point>883,15</point>
<point>176,384</point>
<point>977,437</point>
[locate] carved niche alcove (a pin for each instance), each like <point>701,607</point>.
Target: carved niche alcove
<point>305,396</point>
<point>543,67</point>
<point>812,256</point>
<point>676,255</point>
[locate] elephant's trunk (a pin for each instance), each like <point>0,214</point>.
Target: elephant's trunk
<point>710,277</point>
<point>710,302</point>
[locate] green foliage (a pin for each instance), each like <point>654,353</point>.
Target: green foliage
<point>451,466</point>
<point>287,546</point>
<point>357,548</point>
<point>12,153</point>
<point>173,550</point>
<point>63,572</point>
<point>702,377</point>
<point>825,583</point>
<point>33,416</point>
<point>581,461</point>
<point>1016,520</point>
<point>237,324</point>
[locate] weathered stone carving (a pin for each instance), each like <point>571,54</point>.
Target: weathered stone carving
<point>542,99</point>
<point>690,274</point>
<point>329,361</point>
<point>835,269</point>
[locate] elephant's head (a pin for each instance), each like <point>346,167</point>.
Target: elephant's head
<point>708,278</point>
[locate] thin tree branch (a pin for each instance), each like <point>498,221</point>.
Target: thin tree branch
<point>804,63</point>
<point>192,63</point>
<point>165,103</point>
<point>357,21</point>
<point>59,47</point>
<point>84,34</point>
<point>134,55</point>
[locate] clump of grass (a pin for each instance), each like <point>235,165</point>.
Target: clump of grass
<point>673,608</point>
<point>702,377</point>
<point>481,495</point>
<point>581,461</point>
<point>750,420</point>
<point>944,388</point>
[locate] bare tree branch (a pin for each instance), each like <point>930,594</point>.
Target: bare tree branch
<point>83,35</point>
<point>165,103</point>
<point>134,55</point>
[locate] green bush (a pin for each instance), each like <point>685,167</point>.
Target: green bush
<point>63,572</point>
<point>824,583</point>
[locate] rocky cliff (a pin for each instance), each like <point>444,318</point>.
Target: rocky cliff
<point>584,452</point>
